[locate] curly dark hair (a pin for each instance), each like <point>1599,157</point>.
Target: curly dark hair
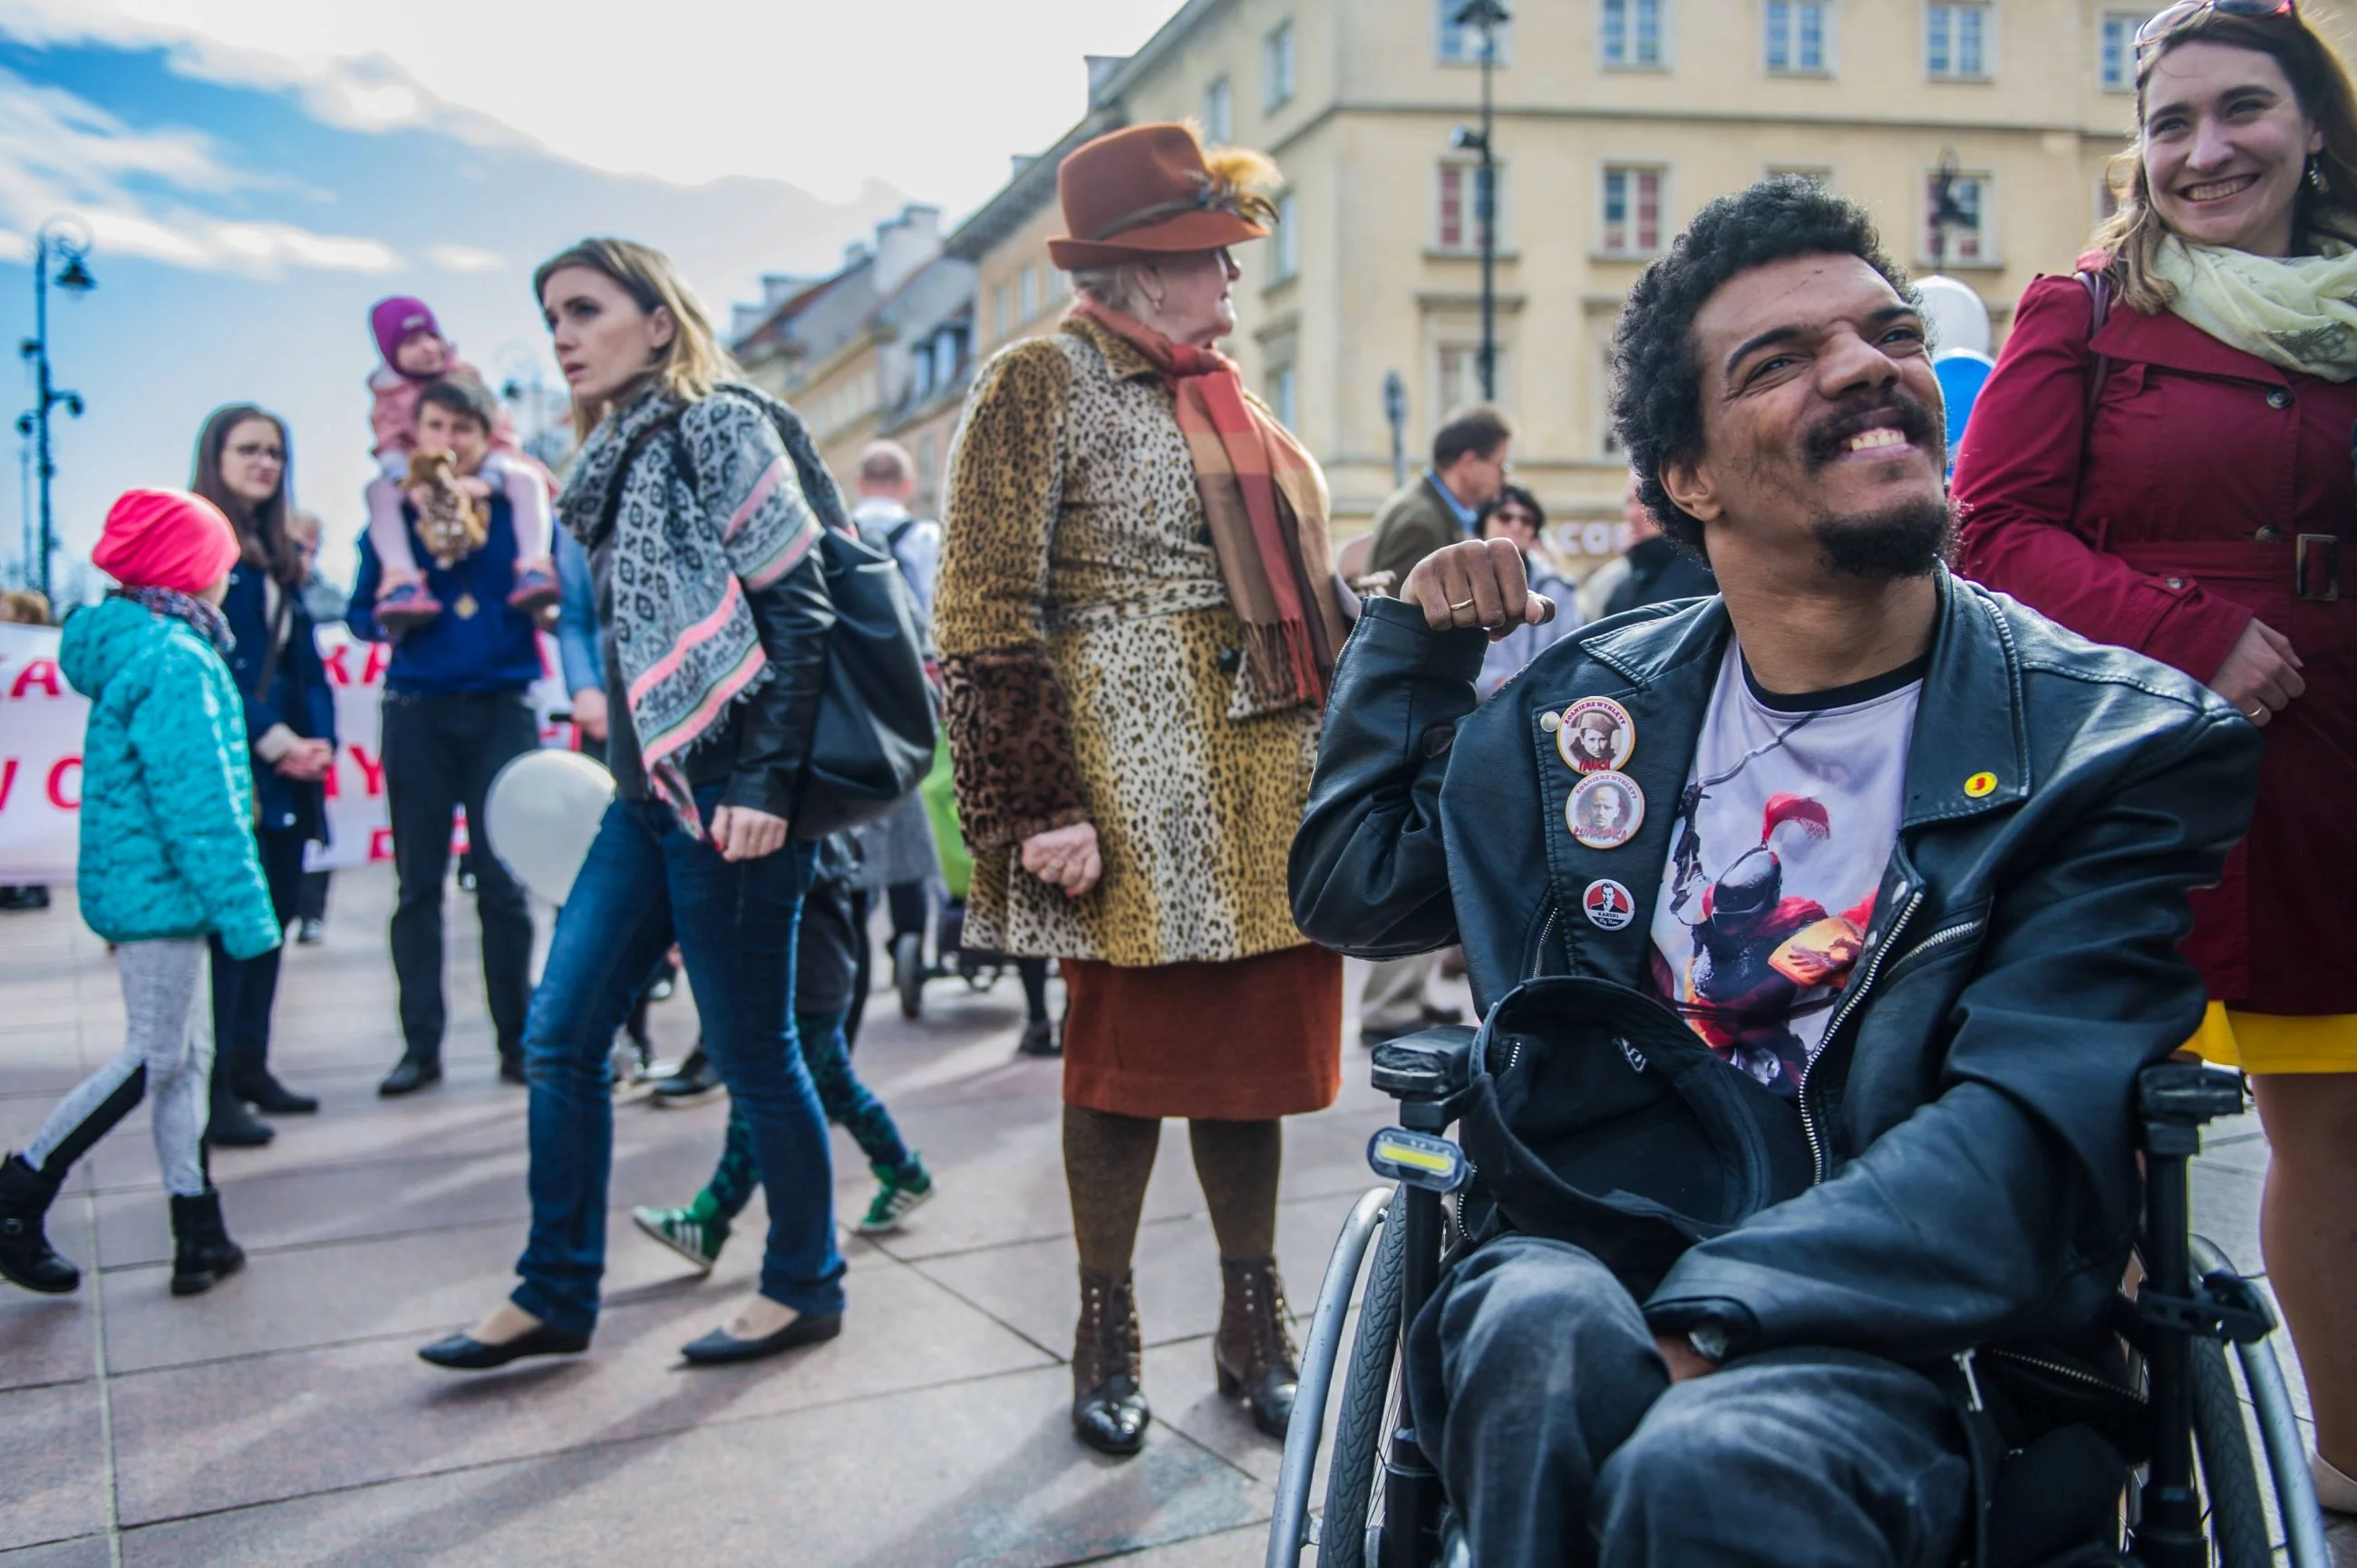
<point>1656,375</point>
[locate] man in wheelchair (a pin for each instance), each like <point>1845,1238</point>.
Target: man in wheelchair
<point>1908,856</point>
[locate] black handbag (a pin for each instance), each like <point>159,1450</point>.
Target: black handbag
<point>1598,1117</point>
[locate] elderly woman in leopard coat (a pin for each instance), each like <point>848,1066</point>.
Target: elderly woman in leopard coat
<point>1137,613</point>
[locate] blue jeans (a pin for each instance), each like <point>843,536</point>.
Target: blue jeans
<point>645,884</point>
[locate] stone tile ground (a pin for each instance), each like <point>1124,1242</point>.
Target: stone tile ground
<point>285,1418</point>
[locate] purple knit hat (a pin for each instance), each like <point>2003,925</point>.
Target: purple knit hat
<point>396,320</point>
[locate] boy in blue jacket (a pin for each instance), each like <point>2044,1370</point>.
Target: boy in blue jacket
<point>167,861</point>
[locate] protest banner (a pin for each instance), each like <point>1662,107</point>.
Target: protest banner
<point>42,721</point>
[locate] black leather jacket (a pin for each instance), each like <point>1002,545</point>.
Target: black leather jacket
<point>759,752</point>
<point>1970,1107</point>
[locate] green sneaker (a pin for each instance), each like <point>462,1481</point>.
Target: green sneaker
<point>902,1191</point>
<point>697,1239</point>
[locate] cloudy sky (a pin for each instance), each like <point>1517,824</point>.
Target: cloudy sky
<point>255,174</point>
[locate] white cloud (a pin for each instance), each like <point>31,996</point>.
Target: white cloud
<point>929,96</point>
<point>464,259</point>
<point>59,153</point>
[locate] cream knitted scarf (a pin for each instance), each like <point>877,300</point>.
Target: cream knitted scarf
<point>2297,313</point>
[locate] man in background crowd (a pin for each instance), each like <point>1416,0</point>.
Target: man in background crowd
<point>1658,570</point>
<point>326,604</point>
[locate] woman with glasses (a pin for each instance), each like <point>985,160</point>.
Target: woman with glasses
<point>1517,515</point>
<point>2162,460</point>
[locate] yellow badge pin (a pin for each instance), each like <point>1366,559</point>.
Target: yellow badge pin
<point>1981,784</point>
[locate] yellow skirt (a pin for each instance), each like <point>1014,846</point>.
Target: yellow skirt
<point>2270,1042</point>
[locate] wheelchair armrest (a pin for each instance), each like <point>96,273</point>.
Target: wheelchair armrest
<point>1429,1065</point>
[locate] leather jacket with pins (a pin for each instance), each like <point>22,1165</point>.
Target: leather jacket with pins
<point>1970,1108</point>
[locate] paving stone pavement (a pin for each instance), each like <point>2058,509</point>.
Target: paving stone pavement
<point>284,1418</point>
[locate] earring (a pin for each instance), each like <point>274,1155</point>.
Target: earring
<point>2315,172</point>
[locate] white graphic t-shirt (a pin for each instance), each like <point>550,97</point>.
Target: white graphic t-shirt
<point>1781,834</point>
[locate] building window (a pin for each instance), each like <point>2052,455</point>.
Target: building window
<point>1633,32</point>
<point>1460,42</point>
<point>1456,225</point>
<point>1219,113</point>
<point>1956,40</point>
<point>1967,239</point>
<point>1633,211</point>
<point>1028,296</point>
<point>1285,254</point>
<point>2115,50</point>
<point>1281,384</point>
<point>1797,36</point>
<point>1002,311</point>
<point>1457,377</point>
<point>1277,67</point>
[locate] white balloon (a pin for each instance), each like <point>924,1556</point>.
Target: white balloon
<point>543,813</point>
<point>1958,317</point>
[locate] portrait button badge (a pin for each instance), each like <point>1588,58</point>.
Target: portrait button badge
<point>1605,810</point>
<point>1608,905</point>
<point>1597,736</point>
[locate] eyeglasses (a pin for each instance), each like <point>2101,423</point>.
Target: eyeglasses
<point>1523,518</point>
<point>2185,12</point>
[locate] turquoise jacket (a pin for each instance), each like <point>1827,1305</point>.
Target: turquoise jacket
<point>168,796</point>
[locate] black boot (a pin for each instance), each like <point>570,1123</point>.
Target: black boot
<point>1252,1354</point>
<point>230,1125</point>
<point>202,1254</point>
<point>254,1083</point>
<point>1109,1409</point>
<point>25,1255</point>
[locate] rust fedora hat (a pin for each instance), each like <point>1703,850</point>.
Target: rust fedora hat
<point>1151,190</point>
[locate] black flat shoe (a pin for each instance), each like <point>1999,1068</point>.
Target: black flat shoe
<point>408,1076</point>
<point>465,1353</point>
<point>267,1094</point>
<point>512,1070</point>
<point>1040,1040</point>
<point>230,1125</point>
<point>719,1347</point>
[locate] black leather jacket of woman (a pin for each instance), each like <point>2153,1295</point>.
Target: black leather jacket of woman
<point>759,752</point>
<point>1970,1108</point>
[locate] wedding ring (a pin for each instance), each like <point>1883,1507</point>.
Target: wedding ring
<point>2253,712</point>
<point>1463,605</point>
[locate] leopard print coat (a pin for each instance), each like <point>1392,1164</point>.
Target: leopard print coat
<point>1090,655</point>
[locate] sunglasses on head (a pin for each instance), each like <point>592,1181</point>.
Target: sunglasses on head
<point>2186,12</point>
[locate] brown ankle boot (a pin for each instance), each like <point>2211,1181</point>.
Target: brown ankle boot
<point>1252,1354</point>
<point>1109,1408</point>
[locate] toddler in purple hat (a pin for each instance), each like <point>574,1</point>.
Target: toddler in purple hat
<point>416,354</point>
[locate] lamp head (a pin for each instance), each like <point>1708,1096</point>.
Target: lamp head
<point>74,278</point>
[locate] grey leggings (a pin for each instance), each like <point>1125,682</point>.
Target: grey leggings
<point>167,1055</point>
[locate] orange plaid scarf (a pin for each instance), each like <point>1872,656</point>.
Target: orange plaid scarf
<point>1266,503</point>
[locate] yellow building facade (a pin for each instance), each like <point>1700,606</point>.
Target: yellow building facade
<point>1615,119</point>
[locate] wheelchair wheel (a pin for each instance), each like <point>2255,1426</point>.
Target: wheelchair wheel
<point>909,972</point>
<point>1367,1385</point>
<point>2230,1481</point>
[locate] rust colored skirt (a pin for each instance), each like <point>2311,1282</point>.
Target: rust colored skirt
<point>1248,1040</point>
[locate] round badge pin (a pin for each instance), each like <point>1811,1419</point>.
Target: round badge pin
<point>1605,810</point>
<point>1598,736</point>
<point>1610,907</point>
<point>1980,786</point>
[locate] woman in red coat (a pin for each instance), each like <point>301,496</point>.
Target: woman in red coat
<point>2181,483</point>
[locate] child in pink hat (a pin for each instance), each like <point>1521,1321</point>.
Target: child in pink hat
<point>416,354</point>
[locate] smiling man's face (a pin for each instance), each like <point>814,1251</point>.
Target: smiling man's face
<point>1823,441</point>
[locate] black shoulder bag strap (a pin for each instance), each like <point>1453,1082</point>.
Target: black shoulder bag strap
<point>277,637</point>
<point>2098,285</point>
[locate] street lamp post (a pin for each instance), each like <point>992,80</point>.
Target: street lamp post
<point>1396,415</point>
<point>1488,16</point>
<point>67,237</point>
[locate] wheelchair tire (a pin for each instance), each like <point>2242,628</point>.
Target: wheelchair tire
<point>908,973</point>
<point>2230,1481</point>
<point>1359,1432</point>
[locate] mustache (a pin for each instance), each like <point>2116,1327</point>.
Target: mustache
<point>1831,437</point>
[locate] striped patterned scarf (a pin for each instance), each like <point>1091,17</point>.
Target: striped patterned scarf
<point>715,502</point>
<point>1265,503</point>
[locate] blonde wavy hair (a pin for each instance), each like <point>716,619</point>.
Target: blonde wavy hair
<point>693,363</point>
<point>2326,207</point>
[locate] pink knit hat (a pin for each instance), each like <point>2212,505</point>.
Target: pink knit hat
<point>396,320</point>
<point>166,539</point>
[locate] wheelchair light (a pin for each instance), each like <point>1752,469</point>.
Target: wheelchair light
<point>1418,1159</point>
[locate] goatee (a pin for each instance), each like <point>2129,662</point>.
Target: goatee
<point>1903,540</point>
